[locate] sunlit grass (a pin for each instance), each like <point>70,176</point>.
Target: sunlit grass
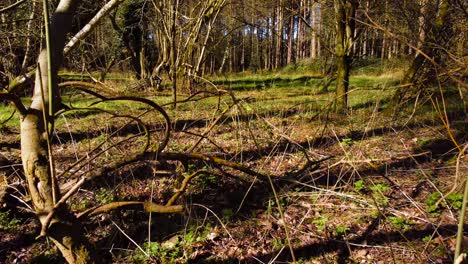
<point>266,94</point>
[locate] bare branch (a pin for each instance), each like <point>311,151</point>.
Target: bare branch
<point>90,26</point>
<point>8,8</point>
<point>132,205</point>
<point>183,186</point>
<point>15,100</point>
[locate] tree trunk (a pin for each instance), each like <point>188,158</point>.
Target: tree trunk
<point>342,82</point>
<point>313,41</point>
<point>422,23</point>
<point>29,39</point>
<point>345,11</point>
<point>64,229</point>
<point>418,69</point>
<point>299,37</point>
<point>279,35</point>
<point>290,40</point>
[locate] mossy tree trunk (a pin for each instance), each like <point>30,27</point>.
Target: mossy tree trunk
<point>63,229</point>
<point>345,12</point>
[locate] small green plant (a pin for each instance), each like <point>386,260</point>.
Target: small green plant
<point>454,199</point>
<point>347,141</point>
<point>278,243</point>
<point>359,185</point>
<point>80,205</point>
<point>377,191</point>
<point>320,223</point>
<point>7,223</point>
<point>399,222</point>
<point>379,187</point>
<point>173,250</point>
<point>104,196</point>
<point>341,230</point>
<point>427,239</point>
<point>300,261</point>
<point>206,180</point>
<point>157,251</point>
<point>432,207</point>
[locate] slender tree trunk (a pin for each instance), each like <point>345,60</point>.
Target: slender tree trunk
<point>174,53</point>
<point>345,25</point>
<point>242,62</point>
<point>313,41</point>
<point>318,13</point>
<point>364,44</point>
<point>223,61</point>
<point>299,40</point>
<point>422,22</point>
<point>64,229</point>
<point>290,39</point>
<point>273,40</point>
<point>279,34</point>
<point>420,62</point>
<point>252,45</point>
<point>28,41</point>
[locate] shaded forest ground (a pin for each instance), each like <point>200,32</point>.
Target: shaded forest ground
<point>371,200</point>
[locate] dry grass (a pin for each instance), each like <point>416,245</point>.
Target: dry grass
<point>368,203</point>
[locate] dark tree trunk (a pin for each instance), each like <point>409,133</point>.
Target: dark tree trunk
<point>345,11</point>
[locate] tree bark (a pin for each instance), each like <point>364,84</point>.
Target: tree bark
<point>91,24</point>
<point>418,69</point>
<point>279,34</point>
<point>29,39</point>
<point>345,11</point>
<point>290,40</point>
<point>63,230</point>
<point>313,41</point>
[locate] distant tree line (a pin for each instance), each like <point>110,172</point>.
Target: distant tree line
<point>186,40</point>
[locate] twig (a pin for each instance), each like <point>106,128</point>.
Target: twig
<point>462,212</point>
<point>16,102</point>
<point>131,240</point>
<point>208,130</point>
<point>221,222</point>
<point>183,186</point>
<point>457,176</point>
<point>286,227</point>
<point>7,8</point>
<point>207,158</point>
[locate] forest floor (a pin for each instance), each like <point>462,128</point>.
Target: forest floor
<point>356,188</point>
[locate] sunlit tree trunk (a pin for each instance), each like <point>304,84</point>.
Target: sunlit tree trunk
<point>345,11</point>
<point>290,40</point>
<point>420,63</point>
<point>299,38</point>
<point>279,34</point>
<point>422,22</point>
<point>313,41</point>
<point>64,230</point>
<point>29,39</point>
